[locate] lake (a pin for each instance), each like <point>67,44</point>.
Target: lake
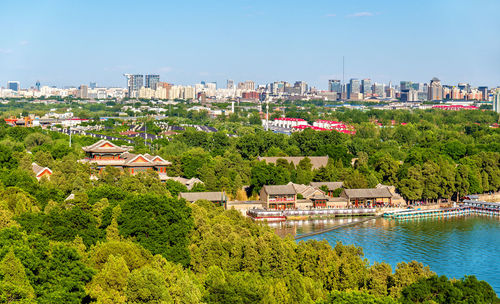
<point>454,246</point>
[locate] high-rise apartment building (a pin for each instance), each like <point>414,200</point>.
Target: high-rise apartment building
<point>464,87</point>
<point>334,85</point>
<point>83,91</point>
<point>484,92</point>
<point>151,81</point>
<point>134,84</point>
<point>14,85</point>
<point>230,84</point>
<point>435,89</point>
<point>366,87</point>
<point>248,85</point>
<point>496,101</point>
<point>301,87</point>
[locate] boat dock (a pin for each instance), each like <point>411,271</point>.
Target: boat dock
<point>468,207</point>
<point>283,215</point>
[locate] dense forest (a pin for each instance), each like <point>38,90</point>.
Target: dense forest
<point>129,239</point>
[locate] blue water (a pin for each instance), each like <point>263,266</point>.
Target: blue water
<point>451,246</point>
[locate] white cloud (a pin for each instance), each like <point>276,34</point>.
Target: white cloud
<point>362,14</point>
<point>330,15</point>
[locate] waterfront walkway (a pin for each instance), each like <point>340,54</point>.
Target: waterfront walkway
<point>468,208</point>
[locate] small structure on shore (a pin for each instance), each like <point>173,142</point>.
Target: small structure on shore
<point>368,197</point>
<point>218,198</point>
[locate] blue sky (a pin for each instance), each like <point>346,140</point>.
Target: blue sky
<point>74,42</point>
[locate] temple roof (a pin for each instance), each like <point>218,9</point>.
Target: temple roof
<point>105,146</point>
<point>37,169</point>
<point>316,161</point>
<point>330,185</point>
<point>368,193</point>
<point>279,189</point>
<point>132,160</point>
<point>209,196</point>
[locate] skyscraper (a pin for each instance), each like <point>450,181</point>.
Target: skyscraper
<point>230,84</point>
<point>334,85</point>
<point>14,85</point>
<point>37,85</point>
<point>366,87</point>
<point>354,87</point>
<point>134,83</point>
<point>435,89</point>
<point>93,85</point>
<point>152,81</point>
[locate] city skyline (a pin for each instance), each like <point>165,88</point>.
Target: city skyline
<point>63,44</point>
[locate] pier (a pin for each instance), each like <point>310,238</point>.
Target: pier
<point>469,207</point>
<point>283,215</point>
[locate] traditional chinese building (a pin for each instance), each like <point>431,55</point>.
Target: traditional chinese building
<point>218,198</point>
<point>330,186</point>
<point>106,154</point>
<point>41,171</point>
<point>370,197</point>
<point>278,197</point>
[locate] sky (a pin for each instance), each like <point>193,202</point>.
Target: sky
<point>74,42</point>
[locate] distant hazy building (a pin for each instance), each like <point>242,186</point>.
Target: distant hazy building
<point>230,84</point>
<point>354,87</point>
<point>93,85</point>
<point>405,85</point>
<point>37,85</point>
<point>419,87</point>
<point>14,85</point>
<point>300,87</point>
<point>248,85</point>
<point>435,89</point>
<point>389,92</point>
<point>151,81</point>
<point>409,95</point>
<point>134,84</point>
<point>334,85</point>
<point>464,87</point>
<point>496,101</point>
<point>83,91</point>
<point>484,92</point>
<point>378,90</point>
<point>366,87</point>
